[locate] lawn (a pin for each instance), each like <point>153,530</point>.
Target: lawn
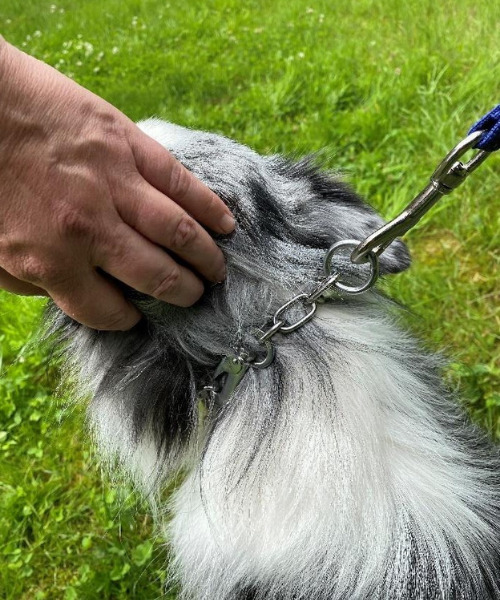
<point>382,90</point>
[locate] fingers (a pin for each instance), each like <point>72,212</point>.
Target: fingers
<point>93,301</point>
<point>169,176</point>
<point>16,286</point>
<point>167,224</point>
<point>145,267</point>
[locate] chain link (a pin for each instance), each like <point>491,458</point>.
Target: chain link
<point>309,302</point>
<point>281,325</point>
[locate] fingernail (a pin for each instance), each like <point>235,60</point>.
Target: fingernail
<point>227,223</point>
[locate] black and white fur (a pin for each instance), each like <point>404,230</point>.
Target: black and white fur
<point>343,471</point>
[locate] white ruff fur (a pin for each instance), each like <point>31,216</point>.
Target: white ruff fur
<point>350,476</point>
<point>354,478</point>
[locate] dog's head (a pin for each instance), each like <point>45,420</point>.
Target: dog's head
<point>144,382</point>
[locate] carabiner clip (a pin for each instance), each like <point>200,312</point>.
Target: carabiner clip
<point>227,375</point>
<point>449,175</point>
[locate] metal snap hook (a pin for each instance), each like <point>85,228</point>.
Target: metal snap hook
<point>449,175</point>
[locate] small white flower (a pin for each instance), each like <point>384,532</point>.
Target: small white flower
<point>88,48</point>
<point>53,8</point>
<point>300,55</point>
<point>37,33</point>
<point>115,50</point>
<point>8,21</point>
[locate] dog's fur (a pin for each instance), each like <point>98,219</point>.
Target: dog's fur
<point>343,471</point>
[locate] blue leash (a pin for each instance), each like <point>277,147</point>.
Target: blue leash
<point>490,125</point>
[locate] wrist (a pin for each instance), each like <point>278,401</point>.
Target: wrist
<point>6,77</point>
<point>20,122</point>
<point>7,72</point>
<point>23,90</point>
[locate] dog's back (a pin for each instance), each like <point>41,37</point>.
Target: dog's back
<point>343,470</point>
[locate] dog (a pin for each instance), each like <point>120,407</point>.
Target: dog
<point>342,471</point>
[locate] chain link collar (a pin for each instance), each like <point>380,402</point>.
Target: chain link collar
<point>232,368</point>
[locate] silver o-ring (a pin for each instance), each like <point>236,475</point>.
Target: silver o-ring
<point>374,267</point>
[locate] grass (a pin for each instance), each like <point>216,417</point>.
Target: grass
<point>383,90</point>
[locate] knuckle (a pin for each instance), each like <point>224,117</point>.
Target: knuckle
<point>184,233</point>
<point>115,245</point>
<point>39,271</point>
<point>179,181</point>
<point>166,284</point>
<point>73,223</point>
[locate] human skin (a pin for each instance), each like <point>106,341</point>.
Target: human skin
<point>85,194</point>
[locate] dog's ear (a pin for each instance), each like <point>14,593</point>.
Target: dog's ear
<point>330,211</point>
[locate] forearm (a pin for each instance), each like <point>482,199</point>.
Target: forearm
<point>11,75</point>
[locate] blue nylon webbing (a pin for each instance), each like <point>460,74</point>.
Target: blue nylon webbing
<point>490,140</point>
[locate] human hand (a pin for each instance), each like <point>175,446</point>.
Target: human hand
<point>85,193</point>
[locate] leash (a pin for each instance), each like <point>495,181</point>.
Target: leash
<point>484,137</point>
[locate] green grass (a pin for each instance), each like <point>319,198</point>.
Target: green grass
<point>383,89</point>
